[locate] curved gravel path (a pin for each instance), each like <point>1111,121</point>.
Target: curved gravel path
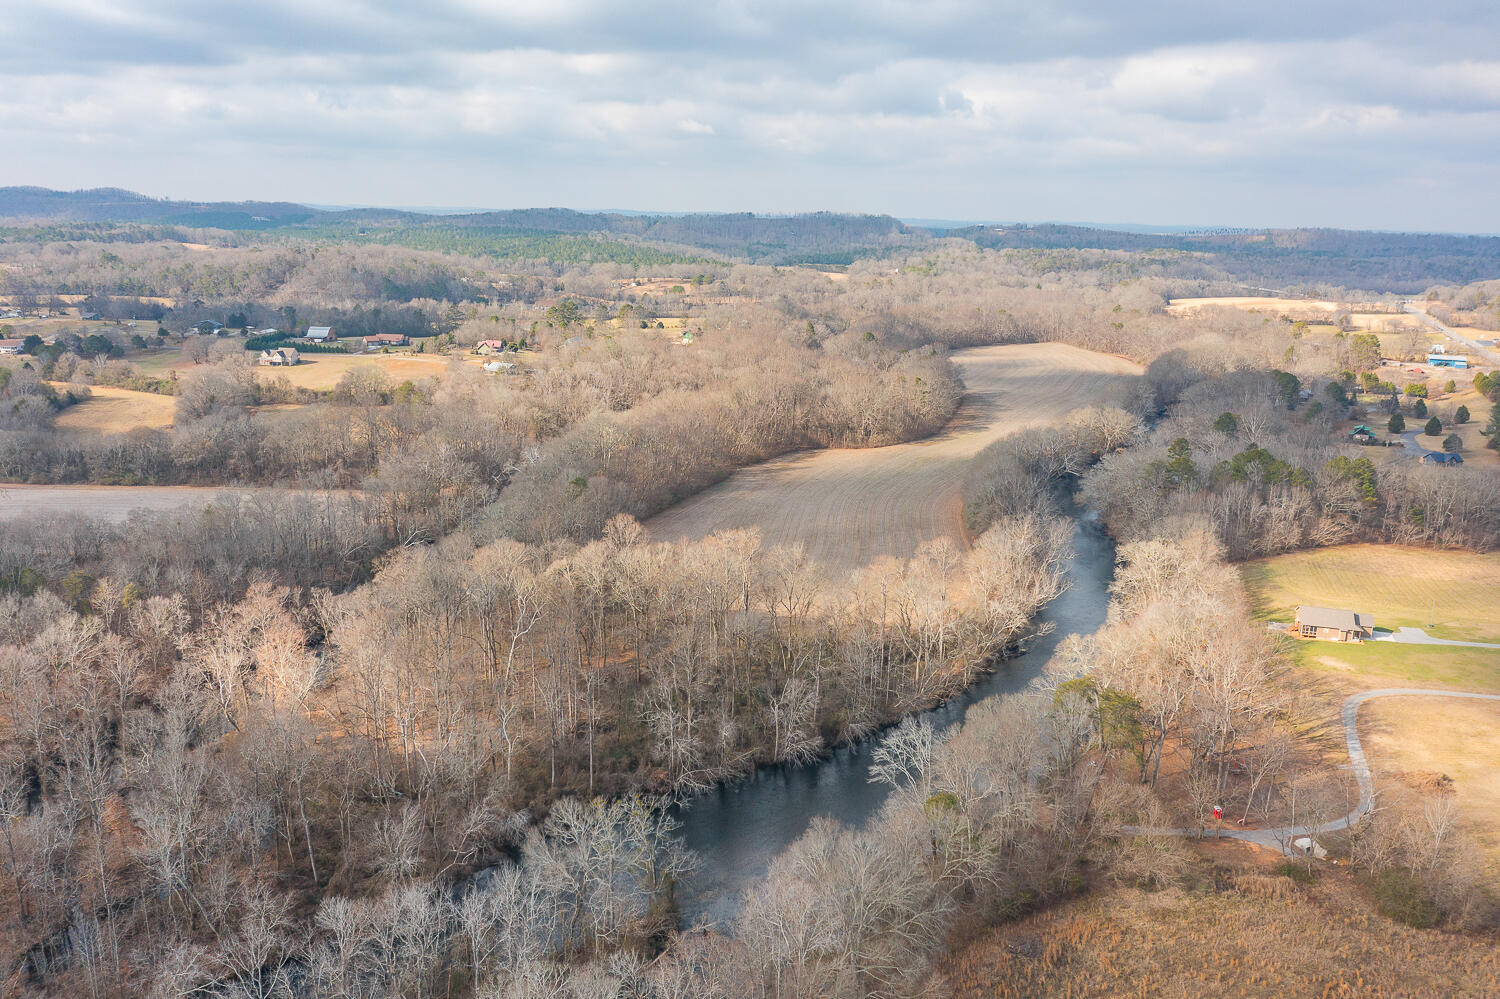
<point>1280,838</point>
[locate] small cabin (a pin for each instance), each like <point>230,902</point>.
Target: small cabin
<point>1442,458</point>
<point>1332,624</point>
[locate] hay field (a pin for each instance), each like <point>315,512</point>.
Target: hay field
<point>852,506</point>
<point>1252,303</point>
<point>323,371</point>
<point>1411,740</point>
<point>118,502</point>
<point>317,371</point>
<point>1395,583</point>
<point>112,410</point>
<point>108,502</point>
<point>1385,322</point>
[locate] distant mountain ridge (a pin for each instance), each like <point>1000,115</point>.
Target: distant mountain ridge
<point>819,237</point>
<point>113,204</point>
<point>1376,261</point>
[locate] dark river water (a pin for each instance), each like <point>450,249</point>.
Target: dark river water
<point>739,828</point>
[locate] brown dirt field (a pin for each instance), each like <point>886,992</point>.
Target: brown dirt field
<point>852,506</point>
<point>317,371</point>
<point>115,411</point>
<point>110,502</point>
<point>1411,739</point>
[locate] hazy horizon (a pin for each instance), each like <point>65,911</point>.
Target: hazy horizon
<point>1375,116</point>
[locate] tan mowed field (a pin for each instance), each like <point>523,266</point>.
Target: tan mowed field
<point>1252,303</point>
<point>118,502</point>
<point>111,410</point>
<point>108,502</point>
<point>850,507</point>
<point>1422,737</point>
<point>323,371</point>
<point>1451,594</point>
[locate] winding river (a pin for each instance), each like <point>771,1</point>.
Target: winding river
<point>739,828</point>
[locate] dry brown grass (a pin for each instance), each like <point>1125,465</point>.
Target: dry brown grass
<point>112,410</point>
<point>323,371</point>
<point>317,371</point>
<point>1251,303</point>
<point>108,502</point>
<point>852,506</point>
<point>1385,322</point>
<point>1260,937</point>
<point>1415,740</point>
<point>118,502</point>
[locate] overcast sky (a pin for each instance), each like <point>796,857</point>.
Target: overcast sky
<point>1369,114</point>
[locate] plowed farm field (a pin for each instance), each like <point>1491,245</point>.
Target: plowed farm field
<point>850,507</point>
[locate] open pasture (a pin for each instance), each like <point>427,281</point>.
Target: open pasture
<point>1450,594</point>
<point>317,371</point>
<point>1253,303</point>
<point>850,507</point>
<point>323,371</point>
<point>1426,738</point>
<point>106,502</point>
<point>111,410</point>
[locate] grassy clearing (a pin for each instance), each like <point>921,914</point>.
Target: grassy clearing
<point>1252,303</point>
<point>1259,936</point>
<point>1397,584</point>
<point>323,371</point>
<point>1419,738</point>
<point>1369,665</point>
<point>116,411</point>
<point>317,371</point>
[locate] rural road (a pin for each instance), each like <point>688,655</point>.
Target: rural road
<point>851,506</point>
<point>1280,838</point>
<point>1443,328</point>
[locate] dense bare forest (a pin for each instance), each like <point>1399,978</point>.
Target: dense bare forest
<point>406,727</point>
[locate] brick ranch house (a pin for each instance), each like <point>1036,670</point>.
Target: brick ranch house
<point>1333,624</point>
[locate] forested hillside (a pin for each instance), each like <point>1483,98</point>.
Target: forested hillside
<point>1377,261</point>
<point>406,719</point>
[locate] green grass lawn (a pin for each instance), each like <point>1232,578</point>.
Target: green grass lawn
<point>1387,664</point>
<point>1450,594</point>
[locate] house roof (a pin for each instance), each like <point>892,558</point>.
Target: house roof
<point>318,332</point>
<point>1334,617</point>
<point>12,343</point>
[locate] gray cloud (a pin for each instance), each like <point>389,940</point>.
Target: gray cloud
<point>1371,114</point>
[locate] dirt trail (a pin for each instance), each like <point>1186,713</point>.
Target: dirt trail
<point>852,506</point>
